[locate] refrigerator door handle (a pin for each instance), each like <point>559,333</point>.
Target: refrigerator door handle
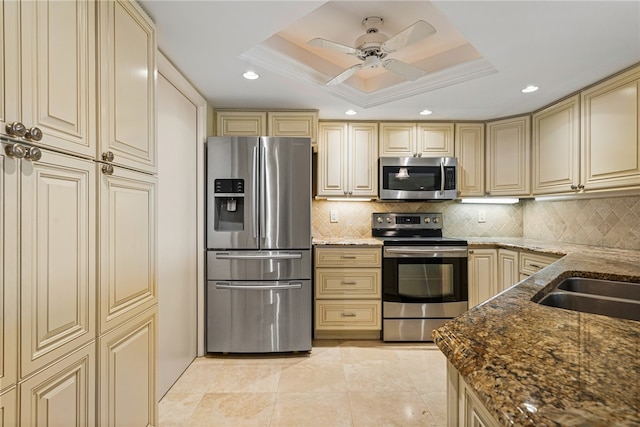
<point>263,196</point>
<point>254,211</point>
<point>259,256</point>
<point>226,285</point>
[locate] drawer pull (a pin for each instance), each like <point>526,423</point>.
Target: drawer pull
<point>348,256</point>
<point>348,314</point>
<point>352,282</point>
<point>536,265</point>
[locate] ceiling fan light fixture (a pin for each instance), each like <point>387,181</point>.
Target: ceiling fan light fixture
<point>251,75</point>
<point>529,89</point>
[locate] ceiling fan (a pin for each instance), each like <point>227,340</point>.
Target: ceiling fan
<point>373,46</point>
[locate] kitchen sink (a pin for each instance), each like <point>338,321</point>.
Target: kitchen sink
<point>607,297</point>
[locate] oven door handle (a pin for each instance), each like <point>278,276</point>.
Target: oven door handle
<point>432,252</point>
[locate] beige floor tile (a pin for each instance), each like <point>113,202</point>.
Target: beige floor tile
<point>426,375</point>
<point>377,409</point>
<point>311,410</point>
<point>366,350</point>
<point>315,375</point>
<point>233,410</point>
<point>175,409</point>
<point>376,375</point>
<point>436,402</point>
<point>196,378</point>
<point>246,379</point>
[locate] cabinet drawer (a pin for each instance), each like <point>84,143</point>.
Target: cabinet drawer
<point>348,283</point>
<point>343,257</point>
<point>351,315</point>
<point>531,263</point>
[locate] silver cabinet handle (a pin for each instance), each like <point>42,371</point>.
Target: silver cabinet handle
<point>348,257</point>
<point>33,134</point>
<point>16,150</point>
<point>225,285</point>
<point>348,314</point>
<point>259,256</point>
<point>351,282</point>
<point>16,129</point>
<point>33,154</point>
<point>536,266</point>
<point>107,169</point>
<point>108,156</point>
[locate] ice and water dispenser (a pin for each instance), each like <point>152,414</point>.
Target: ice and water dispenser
<point>229,205</point>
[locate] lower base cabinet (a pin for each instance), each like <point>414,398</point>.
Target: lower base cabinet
<point>127,359</point>
<point>62,394</point>
<point>8,408</point>
<point>464,409</point>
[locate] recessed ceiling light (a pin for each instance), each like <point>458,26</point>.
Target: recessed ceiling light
<point>351,112</point>
<point>250,75</point>
<point>529,89</point>
<point>425,112</point>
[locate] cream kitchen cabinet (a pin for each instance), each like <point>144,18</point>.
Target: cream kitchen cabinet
<point>8,408</point>
<point>483,275</point>
<point>610,147</point>
<point>556,148</point>
<point>63,394</point>
<point>469,149</point>
<point>464,408</point>
<point>532,262</point>
<point>127,245</point>
<point>508,157</point>
<point>347,292</point>
<point>416,139</point>
<point>127,82</point>
<point>302,123</point>
<point>127,372</point>
<point>347,159</point>
<point>48,64</point>
<point>508,269</point>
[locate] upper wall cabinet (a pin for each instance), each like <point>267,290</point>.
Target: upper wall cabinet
<point>610,155</point>
<point>127,75</point>
<point>469,149</point>
<point>268,123</point>
<point>416,139</point>
<point>508,148</point>
<point>348,159</point>
<point>556,148</point>
<point>48,84</point>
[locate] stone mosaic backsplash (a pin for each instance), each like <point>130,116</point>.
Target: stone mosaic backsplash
<point>610,222</point>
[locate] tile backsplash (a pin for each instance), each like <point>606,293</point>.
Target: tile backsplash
<point>610,222</point>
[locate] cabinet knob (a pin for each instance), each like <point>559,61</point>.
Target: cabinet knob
<point>107,169</point>
<point>574,187</point>
<point>16,129</point>
<point>33,134</point>
<point>108,156</point>
<point>34,154</point>
<point>16,150</point>
<point>470,251</point>
<point>580,186</point>
<point>488,193</point>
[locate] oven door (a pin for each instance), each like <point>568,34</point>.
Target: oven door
<point>424,274</point>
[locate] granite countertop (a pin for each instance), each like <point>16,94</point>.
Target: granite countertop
<point>346,241</point>
<point>542,366</point>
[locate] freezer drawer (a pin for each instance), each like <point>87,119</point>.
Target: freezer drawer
<point>258,317</point>
<point>259,265</point>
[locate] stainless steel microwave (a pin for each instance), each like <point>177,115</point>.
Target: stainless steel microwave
<point>418,178</point>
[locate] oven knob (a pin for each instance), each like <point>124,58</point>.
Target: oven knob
<point>379,220</point>
<point>388,220</point>
<point>427,220</point>
<point>436,220</point>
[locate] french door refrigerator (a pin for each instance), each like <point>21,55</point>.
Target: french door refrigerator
<point>258,293</point>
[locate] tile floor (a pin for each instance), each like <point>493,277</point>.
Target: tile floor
<point>340,383</point>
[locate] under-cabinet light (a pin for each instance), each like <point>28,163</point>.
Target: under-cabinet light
<point>491,200</point>
<point>348,199</point>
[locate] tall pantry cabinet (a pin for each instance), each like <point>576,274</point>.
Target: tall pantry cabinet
<point>78,298</point>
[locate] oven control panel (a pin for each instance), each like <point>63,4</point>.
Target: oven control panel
<point>421,221</point>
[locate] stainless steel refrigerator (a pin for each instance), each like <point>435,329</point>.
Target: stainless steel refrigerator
<point>259,296</point>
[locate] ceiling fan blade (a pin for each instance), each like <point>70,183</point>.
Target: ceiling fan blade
<point>344,75</point>
<point>403,69</point>
<point>328,44</point>
<point>412,34</point>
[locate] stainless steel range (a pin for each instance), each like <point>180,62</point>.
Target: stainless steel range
<point>424,275</point>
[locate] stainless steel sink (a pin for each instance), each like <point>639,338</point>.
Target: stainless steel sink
<point>597,296</point>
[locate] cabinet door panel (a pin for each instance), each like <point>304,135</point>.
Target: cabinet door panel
<point>9,256</point>
<point>363,139</point>
<point>127,374</point>
<point>63,394</point>
<point>469,149</point>
<point>482,275</point>
<point>128,85</point>
<point>58,258</point>
<point>332,159</point>
<point>508,148</point>
<point>241,123</point>
<point>397,139</point>
<point>435,139</point>
<point>128,283</point>
<point>8,408</point>
<point>294,123</point>
<point>508,269</point>
<point>58,73</point>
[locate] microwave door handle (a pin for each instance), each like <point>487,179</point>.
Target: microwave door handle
<point>254,211</point>
<point>442,177</point>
